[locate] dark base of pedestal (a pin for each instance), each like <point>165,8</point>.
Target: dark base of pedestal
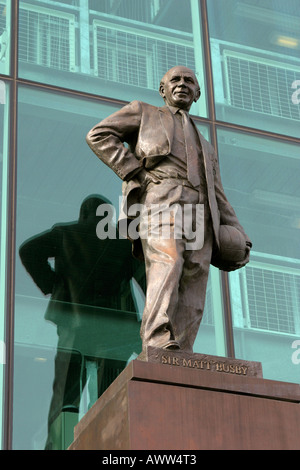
<point>154,406</point>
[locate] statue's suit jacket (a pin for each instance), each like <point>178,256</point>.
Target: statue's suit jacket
<point>149,132</point>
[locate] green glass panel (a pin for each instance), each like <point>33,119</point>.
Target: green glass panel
<point>211,337</point>
<point>4,133</point>
<point>5,21</point>
<point>261,178</point>
<point>78,299</point>
<point>116,49</point>
<point>255,53</point>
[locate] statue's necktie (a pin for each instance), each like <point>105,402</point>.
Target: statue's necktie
<point>191,150</point>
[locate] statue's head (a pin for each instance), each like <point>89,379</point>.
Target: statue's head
<point>89,207</point>
<point>179,87</point>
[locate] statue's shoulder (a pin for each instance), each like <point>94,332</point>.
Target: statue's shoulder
<point>145,107</point>
<point>209,147</point>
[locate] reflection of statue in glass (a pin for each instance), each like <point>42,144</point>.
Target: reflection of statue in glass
<point>88,273</point>
<point>169,163</point>
<point>3,38</point>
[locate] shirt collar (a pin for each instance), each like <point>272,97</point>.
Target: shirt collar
<point>173,109</point>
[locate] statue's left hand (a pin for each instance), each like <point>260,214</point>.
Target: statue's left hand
<point>238,264</point>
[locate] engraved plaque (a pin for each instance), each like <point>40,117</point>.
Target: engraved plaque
<point>219,364</point>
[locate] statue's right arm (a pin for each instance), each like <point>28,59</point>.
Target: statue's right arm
<point>35,254</point>
<point>107,137</point>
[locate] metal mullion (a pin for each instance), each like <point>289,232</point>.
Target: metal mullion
<point>11,235</point>
<point>257,132</point>
<point>207,59</point>
<point>6,78</point>
<point>70,92</point>
<point>228,314</point>
<point>214,141</point>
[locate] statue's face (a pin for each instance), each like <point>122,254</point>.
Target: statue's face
<point>180,88</point>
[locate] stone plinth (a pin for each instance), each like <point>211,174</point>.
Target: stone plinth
<point>169,404</point>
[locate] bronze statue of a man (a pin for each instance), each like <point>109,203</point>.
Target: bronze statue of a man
<point>169,163</point>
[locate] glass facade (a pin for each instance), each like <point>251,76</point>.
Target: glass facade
<point>78,299</point>
<point>4,132</point>
<point>265,295</point>
<point>255,54</point>
<point>116,49</point>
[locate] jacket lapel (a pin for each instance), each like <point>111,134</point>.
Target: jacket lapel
<point>167,123</point>
<point>204,148</point>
